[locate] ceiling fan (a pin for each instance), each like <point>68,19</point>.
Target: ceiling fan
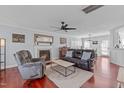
<point>64,27</point>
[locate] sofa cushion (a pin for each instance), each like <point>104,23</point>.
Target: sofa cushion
<point>69,54</point>
<point>73,60</point>
<point>24,56</point>
<point>92,52</point>
<point>86,56</point>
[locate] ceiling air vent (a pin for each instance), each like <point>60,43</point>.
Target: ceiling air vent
<point>91,8</point>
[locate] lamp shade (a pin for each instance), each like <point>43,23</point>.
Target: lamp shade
<point>2,42</point>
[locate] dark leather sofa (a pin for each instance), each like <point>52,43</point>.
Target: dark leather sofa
<point>76,58</point>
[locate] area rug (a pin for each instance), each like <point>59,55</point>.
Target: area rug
<point>75,80</point>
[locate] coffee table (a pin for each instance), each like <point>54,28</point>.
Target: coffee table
<point>66,67</point>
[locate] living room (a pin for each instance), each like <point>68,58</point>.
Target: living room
<point>62,38</point>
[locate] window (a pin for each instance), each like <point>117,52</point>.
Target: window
<point>76,43</point>
<point>121,39</point>
<point>104,47</point>
<point>86,44</point>
<point>122,43</point>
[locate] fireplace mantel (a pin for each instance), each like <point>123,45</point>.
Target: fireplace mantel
<point>40,39</point>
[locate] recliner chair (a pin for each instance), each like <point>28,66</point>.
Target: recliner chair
<point>29,68</point>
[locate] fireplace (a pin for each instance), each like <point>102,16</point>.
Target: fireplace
<point>45,54</point>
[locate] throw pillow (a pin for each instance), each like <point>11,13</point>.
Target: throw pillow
<point>69,54</point>
<point>86,56</point>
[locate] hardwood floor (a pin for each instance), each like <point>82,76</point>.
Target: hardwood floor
<point>105,75</point>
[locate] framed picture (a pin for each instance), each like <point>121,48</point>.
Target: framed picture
<point>18,38</point>
<point>63,40</point>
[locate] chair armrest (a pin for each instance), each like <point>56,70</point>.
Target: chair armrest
<point>35,59</point>
<point>91,62</point>
<point>91,59</point>
<point>88,60</point>
<point>31,64</point>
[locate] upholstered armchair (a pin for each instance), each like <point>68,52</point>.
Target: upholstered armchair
<point>29,68</point>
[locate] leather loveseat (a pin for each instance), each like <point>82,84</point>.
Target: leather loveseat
<point>76,58</point>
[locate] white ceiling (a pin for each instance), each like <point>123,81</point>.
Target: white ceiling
<point>42,17</point>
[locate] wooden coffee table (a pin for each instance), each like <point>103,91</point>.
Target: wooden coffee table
<point>66,67</point>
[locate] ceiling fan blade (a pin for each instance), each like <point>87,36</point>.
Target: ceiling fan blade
<point>70,28</point>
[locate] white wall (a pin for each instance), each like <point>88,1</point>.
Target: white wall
<point>117,56</point>
<point>6,32</point>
